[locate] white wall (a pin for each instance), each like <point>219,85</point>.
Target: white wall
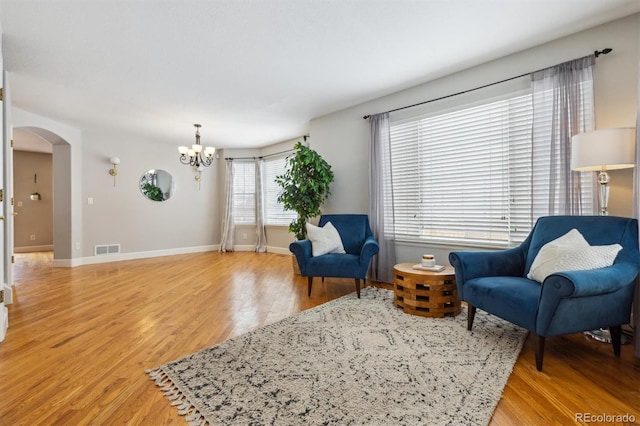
<point>343,137</point>
<point>188,221</point>
<point>67,173</point>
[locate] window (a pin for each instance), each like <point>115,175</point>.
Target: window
<point>274,213</point>
<point>244,193</point>
<point>465,176</point>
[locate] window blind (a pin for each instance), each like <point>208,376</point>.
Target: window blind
<point>244,193</point>
<point>275,214</point>
<point>465,176</point>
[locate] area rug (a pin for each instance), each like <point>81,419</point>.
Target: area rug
<point>349,362</point>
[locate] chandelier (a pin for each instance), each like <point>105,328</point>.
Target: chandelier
<point>194,156</point>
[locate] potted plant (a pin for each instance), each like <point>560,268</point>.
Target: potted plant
<point>152,192</point>
<point>305,186</point>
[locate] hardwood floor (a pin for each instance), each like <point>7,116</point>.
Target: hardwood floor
<point>80,339</point>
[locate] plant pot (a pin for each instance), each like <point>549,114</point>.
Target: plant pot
<point>296,268</point>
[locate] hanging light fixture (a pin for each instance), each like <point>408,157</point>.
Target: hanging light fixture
<point>195,156</point>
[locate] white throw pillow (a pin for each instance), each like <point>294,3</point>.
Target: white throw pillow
<point>324,240</point>
<point>571,252</point>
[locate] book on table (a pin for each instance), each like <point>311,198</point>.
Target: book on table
<point>434,268</point>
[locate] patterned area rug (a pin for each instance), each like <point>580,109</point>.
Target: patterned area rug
<point>349,362</point>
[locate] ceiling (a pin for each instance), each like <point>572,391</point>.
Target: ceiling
<point>255,72</point>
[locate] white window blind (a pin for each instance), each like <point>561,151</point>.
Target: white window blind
<point>244,193</point>
<point>275,214</point>
<point>464,177</point>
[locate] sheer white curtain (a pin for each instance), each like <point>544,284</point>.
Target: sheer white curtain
<point>228,226</point>
<point>380,198</point>
<point>261,236</point>
<point>562,107</point>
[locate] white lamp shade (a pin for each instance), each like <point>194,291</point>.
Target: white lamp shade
<point>114,160</point>
<point>191,153</point>
<point>607,149</point>
<point>196,148</point>
<point>183,150</point>
<point>209,151</point>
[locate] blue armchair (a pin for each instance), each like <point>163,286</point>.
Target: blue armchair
<point>565,302</point>
<point>359,245</point>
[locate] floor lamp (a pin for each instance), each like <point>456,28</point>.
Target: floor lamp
<point>602,150</point>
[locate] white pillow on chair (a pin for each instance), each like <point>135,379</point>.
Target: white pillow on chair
<point>571,252</point>
<point>324,240</point>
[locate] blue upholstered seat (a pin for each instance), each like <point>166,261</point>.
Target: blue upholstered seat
<point>359,245</point>
<point>565,302</point>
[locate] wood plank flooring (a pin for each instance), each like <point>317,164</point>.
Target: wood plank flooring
<point>80,339</point>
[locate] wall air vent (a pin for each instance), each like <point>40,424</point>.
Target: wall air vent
<point>102,250</point>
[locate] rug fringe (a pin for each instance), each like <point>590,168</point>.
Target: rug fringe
<point>177,398</point>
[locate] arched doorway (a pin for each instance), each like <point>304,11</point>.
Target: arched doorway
<point>42,140</point>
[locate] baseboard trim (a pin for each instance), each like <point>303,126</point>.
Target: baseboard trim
<point>4,321</point>
<point>31,249</point>
<point>90,260</point>
<point>244,248</point>
<point>278,250</point>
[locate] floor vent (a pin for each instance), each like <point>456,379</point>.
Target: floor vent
<point>107,249</point>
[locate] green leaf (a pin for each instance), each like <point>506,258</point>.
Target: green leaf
<point>305,186</point>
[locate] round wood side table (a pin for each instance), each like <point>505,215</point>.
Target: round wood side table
<point>426,293</point>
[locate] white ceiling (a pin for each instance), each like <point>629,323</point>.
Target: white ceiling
<point>255,72</point>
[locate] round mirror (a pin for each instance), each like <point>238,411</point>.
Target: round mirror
<point>157,185</point>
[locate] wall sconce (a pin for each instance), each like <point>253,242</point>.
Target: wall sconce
<point>35,195</point>
<point>198,177</point>
<point>114,171</point>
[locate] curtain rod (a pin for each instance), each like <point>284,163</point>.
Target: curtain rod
<point>596,53</point>
<point>305,137</point>
<point>261,157</point>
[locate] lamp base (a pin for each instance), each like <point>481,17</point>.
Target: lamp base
<point>603,335</point>
<point>603,180</point>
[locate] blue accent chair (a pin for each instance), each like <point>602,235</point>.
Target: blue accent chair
<point>359,245</point>
<point>566,302</point>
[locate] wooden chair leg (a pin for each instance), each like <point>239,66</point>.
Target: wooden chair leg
<point>358,287</point>
<point>471,314</point>
<point>616,338</point>
<point>539,351</point>
<point>310,281</point>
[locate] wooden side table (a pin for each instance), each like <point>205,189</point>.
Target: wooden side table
<point>426,293</point>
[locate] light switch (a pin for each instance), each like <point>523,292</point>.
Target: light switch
<point>19,203</point>
<point>90,201</point>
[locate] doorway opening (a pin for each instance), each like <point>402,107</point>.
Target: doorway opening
<point>41,164</point>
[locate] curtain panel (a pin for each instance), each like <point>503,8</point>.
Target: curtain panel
<point>381,200</point>
<point>261,236</point>
<point>228,227</point>
<point>560,110</point>
<point>636,213</point>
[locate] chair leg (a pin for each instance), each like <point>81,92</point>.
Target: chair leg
<point>539,351</point>
<point>471,314</point>
<point>616,338</point>
<point>310,281</point>
<point>358,287</point>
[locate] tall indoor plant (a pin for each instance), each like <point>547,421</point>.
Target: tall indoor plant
<point>305,186</point>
